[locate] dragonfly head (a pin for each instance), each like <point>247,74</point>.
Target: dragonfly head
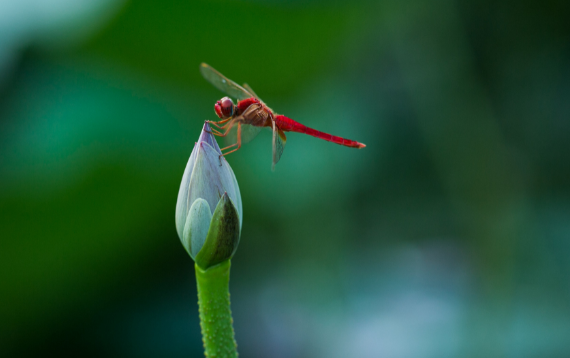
<point>225,108</point>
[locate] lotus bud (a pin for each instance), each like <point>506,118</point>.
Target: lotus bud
<point>209,209</point>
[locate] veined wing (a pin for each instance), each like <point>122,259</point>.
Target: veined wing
<point>279,140</point>
<point>250,90</point>
<point>248,132</point>
<point>223,83</point>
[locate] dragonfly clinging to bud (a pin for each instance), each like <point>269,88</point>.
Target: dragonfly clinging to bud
<point>251,114</point>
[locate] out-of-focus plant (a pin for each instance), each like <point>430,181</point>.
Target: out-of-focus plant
<point>208,221</point>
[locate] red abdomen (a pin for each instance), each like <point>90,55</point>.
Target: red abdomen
<point>290,125</point>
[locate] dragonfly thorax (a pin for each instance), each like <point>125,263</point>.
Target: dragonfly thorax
<point>225,108</point>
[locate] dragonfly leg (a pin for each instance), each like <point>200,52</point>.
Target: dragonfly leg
<point>216,132</point>
<point>220,122</point>
<point>228,147</point>
<point>217,124</point>
<point>238,144</point>
<point>229,127</point>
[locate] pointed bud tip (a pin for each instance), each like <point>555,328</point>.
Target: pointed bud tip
<point>208,137</point>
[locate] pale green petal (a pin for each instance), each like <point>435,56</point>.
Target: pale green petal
<point>197,226</point>
<point>181,203</point>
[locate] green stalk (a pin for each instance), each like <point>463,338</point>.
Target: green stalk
<point>215,314</point>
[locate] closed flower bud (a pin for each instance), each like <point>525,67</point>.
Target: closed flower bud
<point>209,209</point>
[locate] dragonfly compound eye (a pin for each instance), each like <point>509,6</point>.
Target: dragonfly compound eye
<point>224,108</point>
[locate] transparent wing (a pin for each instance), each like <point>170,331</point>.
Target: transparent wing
<point>279,140</point>
<point>223,83</point>
<point>250,90</point>
<point>248,132</point>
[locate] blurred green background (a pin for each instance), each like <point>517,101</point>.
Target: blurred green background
<point>447,236</point>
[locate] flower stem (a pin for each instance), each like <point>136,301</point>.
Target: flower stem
<point>215,314</point>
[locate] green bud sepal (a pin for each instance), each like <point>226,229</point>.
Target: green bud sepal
<point>220,241</point>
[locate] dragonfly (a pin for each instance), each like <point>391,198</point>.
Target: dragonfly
<point>251,114</point>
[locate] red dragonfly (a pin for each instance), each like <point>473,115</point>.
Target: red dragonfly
<point>251,114</point>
